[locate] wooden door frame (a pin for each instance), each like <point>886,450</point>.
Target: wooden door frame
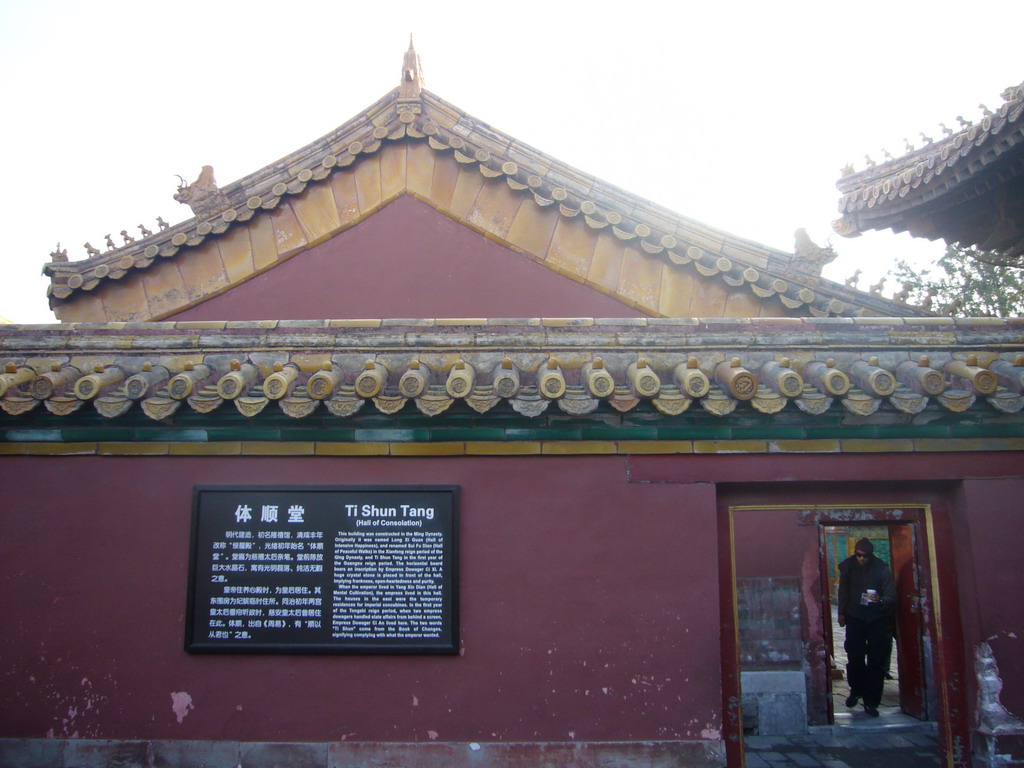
<point>948,658</point>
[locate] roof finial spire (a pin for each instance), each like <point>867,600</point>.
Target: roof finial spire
<point>412,74</point>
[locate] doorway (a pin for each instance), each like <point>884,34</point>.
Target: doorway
<point>774,599</point>
<point>908,690</point>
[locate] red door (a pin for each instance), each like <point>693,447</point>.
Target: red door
<point>826,613</point>
<point>908,621</point>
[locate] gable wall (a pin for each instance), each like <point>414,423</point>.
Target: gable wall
<point>593,257</point>
<point>408,260</point>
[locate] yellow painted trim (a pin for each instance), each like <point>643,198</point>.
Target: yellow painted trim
<point>482,448</point>
<point>132,449</point>
<point>60,449</point>
<point>251,324</point>
<point>201,325</point>
<point>351,449</point>
<point>730,446</point>
<point>227,448</point>
<point>969,444</point>
<point>576,447</point>
<point>273,448</point>
<point>428,449</point>
<point>655,447</point>
<point>804,446</point>
<point>878,445</point>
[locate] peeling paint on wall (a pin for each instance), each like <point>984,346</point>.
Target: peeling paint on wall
<point>181,703</point>
<point>74,711</point>
<point>995,718</point>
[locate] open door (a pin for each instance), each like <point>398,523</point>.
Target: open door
<point>826,612</point>
<point>909,629</point>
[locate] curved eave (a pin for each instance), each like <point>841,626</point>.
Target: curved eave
<point>881,196</point>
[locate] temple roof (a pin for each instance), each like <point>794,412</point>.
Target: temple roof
<point>966,188</point>
<point>835,374</point>
<point>491,182</point>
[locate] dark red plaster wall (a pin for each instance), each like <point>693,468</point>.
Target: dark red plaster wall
<point>761,551</point>
<point>996,552</point>
<point>408,260</point>
<point>589,609</point>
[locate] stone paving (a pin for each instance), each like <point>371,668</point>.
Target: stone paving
<point>846,748</point>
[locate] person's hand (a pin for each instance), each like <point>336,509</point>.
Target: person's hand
<point>842,620</point>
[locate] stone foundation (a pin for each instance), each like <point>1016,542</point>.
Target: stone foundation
<point>781,701</point>
<point>95,753</point>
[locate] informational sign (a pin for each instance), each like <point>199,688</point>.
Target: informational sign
<point>323,570</point>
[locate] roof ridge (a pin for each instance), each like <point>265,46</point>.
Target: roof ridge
<point>895,179</point>
<point>425,117</point>
<point>991,122</point>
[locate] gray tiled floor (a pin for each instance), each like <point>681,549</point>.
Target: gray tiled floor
<point>843,749</point>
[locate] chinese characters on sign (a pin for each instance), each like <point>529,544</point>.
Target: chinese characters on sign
<point>323,570</point>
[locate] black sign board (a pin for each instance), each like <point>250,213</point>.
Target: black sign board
<point>310,569</point>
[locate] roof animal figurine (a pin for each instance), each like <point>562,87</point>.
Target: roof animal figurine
<point>59,254</point>
<point>876,289</point>
<point>903,294</point>
<point>203,195</point>
<point>953,308</point>
<point>852,280</point>
<point>929,298</point>
<point>809,257</point>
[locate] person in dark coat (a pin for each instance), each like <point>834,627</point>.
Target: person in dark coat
<point>867,597</point>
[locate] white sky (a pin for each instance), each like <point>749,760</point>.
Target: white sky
<point>737,114</point>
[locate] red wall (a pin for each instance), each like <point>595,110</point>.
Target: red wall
<point>995,550</point>
<point>588,607</point>
<point>408,260</point>
<point>762,551</point>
